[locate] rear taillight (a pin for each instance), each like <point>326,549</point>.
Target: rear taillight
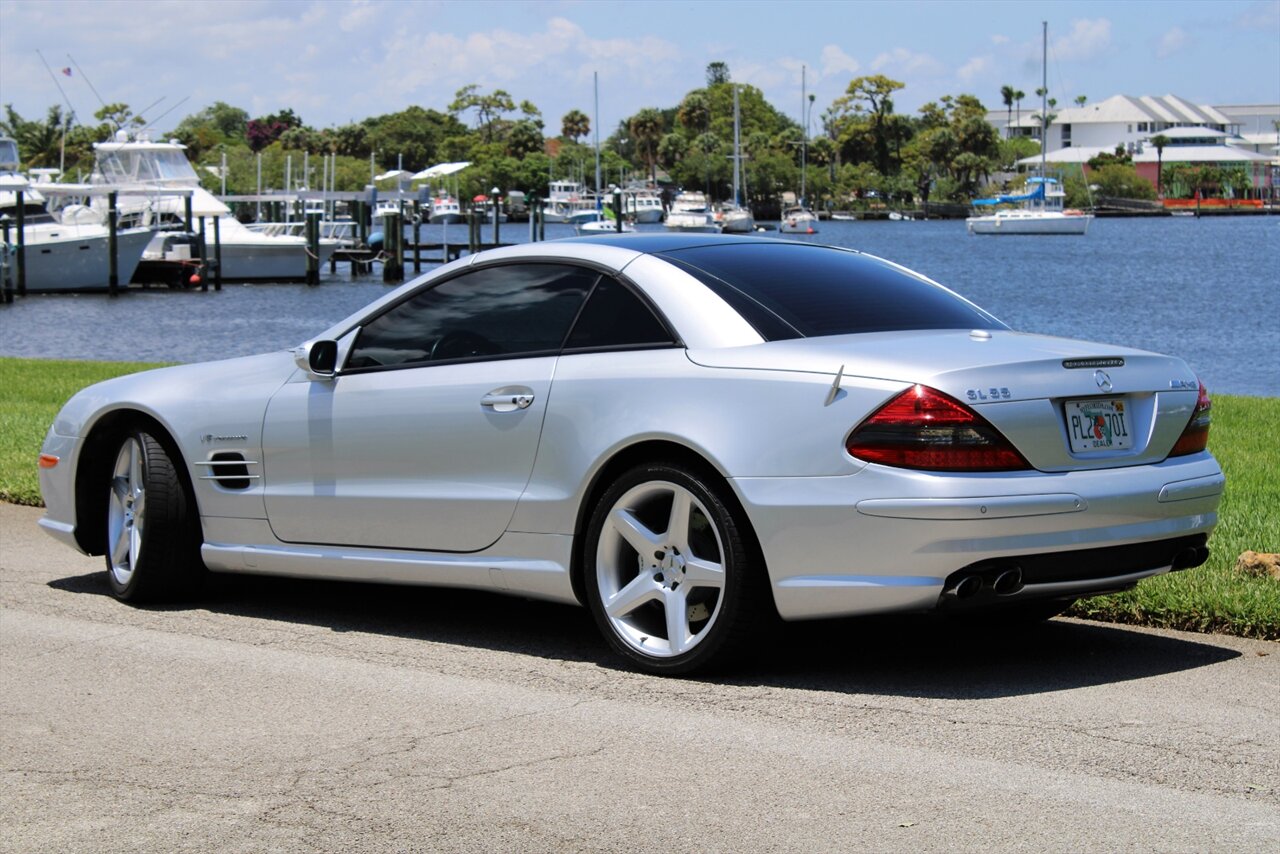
<point>1196,435</point>
<point>925,429</point>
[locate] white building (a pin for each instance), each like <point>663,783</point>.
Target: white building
<point>1119,120</point>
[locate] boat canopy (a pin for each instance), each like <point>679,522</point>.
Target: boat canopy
<point>440,170</point>
<point>1037,193</point>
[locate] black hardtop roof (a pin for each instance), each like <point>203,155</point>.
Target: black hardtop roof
<point>651,243</point>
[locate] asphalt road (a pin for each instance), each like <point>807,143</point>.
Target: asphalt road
<point>297,716</point>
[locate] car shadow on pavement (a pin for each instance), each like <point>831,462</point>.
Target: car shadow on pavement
<point>910,656</point>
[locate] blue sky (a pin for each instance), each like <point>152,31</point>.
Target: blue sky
<point>334,61</point>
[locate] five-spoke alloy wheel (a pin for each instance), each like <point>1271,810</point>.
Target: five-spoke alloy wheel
<point>669,572</point>
<point>153,539</point>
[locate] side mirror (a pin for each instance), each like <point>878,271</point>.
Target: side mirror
<point>318,358</point>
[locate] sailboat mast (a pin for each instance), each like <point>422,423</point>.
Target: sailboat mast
<point>595,77</point>
<point>804,138</point>
<point>737,147</point>
<point>1044,95</point>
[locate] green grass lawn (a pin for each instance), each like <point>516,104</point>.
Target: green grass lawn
<point>1213,598</point>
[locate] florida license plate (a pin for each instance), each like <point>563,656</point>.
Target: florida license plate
<point>1098,425</point>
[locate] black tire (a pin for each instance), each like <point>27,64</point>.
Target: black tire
<point>703,575</point>
<point>153,533</point>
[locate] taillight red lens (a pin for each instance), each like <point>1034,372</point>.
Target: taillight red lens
<point>925,429</point>
<point>1195,437</point>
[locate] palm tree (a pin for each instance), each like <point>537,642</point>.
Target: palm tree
<point>1159,141</point>
<point>575,125</point>
<point>1017,100</point>
<point>1006,94</point>
<point>694,112</point>
<point>646,130</point>
<point>1080,99</point>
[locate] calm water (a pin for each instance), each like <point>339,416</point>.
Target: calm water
<point>1207,290</point>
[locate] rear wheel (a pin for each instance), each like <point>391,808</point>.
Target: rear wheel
<point>153,539</point>
<point>672,580</point>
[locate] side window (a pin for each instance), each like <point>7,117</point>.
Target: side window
<point>615,317</point>
<point>519,309</point>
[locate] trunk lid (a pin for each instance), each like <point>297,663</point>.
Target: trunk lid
<point>1047,395</point>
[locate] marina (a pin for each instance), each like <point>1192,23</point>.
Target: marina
<point>1206,283</point>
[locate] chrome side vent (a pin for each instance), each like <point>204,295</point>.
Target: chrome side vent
<point>229,469</point>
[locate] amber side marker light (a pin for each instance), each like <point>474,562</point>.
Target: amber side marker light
<point>48,461</point>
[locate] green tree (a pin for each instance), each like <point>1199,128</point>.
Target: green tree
<point>717,73</point>
<point>413,136</point>
<point>1159,141</point>
<point>489,108</point>
<point>864,110</point>
<point>1006,94</point>
<point>39,142</point>
<point>646,129</point>
<point>694,113</point>
<point>575,125</point>
<point>524,139</point>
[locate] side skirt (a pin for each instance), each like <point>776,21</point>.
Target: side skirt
<point>541,573</point>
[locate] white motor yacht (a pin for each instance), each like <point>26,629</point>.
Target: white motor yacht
<point>690,212</point>
<point>64,249</point>
<point>137,163</point>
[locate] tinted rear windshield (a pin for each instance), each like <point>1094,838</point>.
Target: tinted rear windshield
<point>798,291</point>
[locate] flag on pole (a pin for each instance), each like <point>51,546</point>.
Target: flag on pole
<point>66,71</point>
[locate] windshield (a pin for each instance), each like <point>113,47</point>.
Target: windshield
<point>8,154</point>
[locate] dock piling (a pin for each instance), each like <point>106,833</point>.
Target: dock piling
<point>393,249</point>
<point>312,231</point>
<point>204,256</point>
<point>6,284</point>
<point>21,257</point>
<point>113,245</point>
<point>217,255</point>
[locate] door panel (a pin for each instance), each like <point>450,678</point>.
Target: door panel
<point>431,458</point>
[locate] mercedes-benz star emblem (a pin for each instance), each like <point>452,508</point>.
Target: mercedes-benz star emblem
<point>1104,381</point>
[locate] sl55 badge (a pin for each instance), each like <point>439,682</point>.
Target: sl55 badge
<point>988,394</point>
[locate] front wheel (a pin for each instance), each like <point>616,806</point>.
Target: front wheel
<point>153,538</point>
<point>672,579</point>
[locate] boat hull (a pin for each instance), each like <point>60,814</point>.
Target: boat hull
<point>1019,224</point>
<point>80,262</point>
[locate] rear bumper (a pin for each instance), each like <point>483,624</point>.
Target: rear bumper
<point>885,540</point>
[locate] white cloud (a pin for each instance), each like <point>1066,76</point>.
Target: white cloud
<point>836,61</point>
<point>1171,42</point>
<point>359,13</point>
<point>906,62</point>
<point>973,68</point>
<point>1261,16</point>
<point>998,39</point>
<point>1087,39</point>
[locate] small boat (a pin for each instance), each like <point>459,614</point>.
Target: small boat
<point>689,212</point>
<point>733,217</point>
<point>798,220</point>
<point>642,204</point>
<point>1039,211</point>
<point>445,210</point>
<point>843,217</point>
<point>565,200</point>
<point>603,223</point>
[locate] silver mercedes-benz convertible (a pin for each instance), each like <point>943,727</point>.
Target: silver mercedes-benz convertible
<point>688,434</point>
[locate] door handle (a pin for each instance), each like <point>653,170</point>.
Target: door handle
<point>508,399</point>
